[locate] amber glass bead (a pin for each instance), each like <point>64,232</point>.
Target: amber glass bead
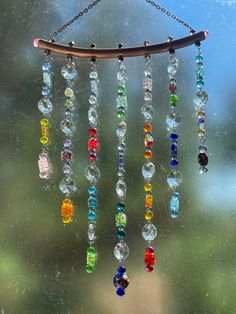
<point>148,187</point>
<point>44,131</point>
<point>148,215</point>
<point>147,127</point>
<point>69,92</point>
<point>67,211</point>
<point>201,133</point>
<point>148,155</point>
<point>201,114</point>
<point>44,140</point>
<point>148,201</point>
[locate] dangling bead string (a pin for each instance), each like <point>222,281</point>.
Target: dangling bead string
<point>68,127</point>
<point>200,101</point>
<point>45,106</point>
<point>149,231</point>
<point>173,120</point>
<point>93,146</point>
<point>121,250</point>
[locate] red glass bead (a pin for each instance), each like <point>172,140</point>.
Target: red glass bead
<point>93,144</point>
<point>92,157</point>
<point>148,141</point>
<point>66,156</point>
<point>149,259</point>
<point>92,132</point>
<point>173,88</point>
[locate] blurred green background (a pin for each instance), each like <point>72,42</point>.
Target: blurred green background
<point>41,261</point>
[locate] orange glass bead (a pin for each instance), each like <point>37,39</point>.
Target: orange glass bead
<point>44,131</point>
<point>148,155</point>
<point>148,187</point>
<point>148,200</point>
<point>147,127</point>
<point>67,211</point>
<point>148,215</point>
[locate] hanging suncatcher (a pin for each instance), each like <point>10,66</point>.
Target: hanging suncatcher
<point>67,184</point>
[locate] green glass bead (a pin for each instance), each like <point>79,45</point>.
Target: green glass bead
<point>120,114</point>
<point>199,59</point>
<point>121,89</point>
<point>121,219</point>
<point>90,269</point>
<point>91,249</point>
<point>174,99</point>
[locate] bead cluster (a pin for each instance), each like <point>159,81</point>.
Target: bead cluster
<point>92,173</point>
<point>173,120</point>
<point>45,106</point>
<point>121,250</point>
<point>149,230</point>
<point>68,127</point>
<point>200,100</point>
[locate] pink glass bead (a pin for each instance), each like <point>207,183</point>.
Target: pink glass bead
<point>93,144</point>
<point>92,157</point>
<point>172,88</point>
<point>66,156</point>
<point>45,167</point>
<point>36,42</point>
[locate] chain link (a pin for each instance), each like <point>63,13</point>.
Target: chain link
<point>80,14</point>
<point>173,16</point>
<point>94,3</point>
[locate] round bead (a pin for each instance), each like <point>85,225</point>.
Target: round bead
<point>148,187</point>
<point>120,207</point>
<point>67,185</point>
<point>200,84</point>
<point>92,173</point>
<point>174,162</point>
<point>148,141</point>
<point>202,149</point>
<point>174,99</point>
<point>121,234</point>
<point>69,72</point>
<point>199,58</point>
<point>148,170</point>
<point>201,114</point>
<point>201,133</point>
<point>173,120</point>
<point>120,114</point>
<point>149,268</point>
<point>90,269</point>
<point>92,190</point>
<point>68,126</point>
<point>174,179</point>
<point>120,292</point>
<point>148,215</point>
<point>148,155</point>
<point>174,137</point>
<point>45,106</point>
<point>44,140</point>
<point>69,92</point>
<point>121,251</point>
<point>203,170</point>
<point>92,157</point>
<point>121,270</point>
<point>172,88</point>
<point>44,123</point>
<point>92,216</point>
<point>173,66</point>
<point>147,127</point>
<point>121,89</point>
<point>92,132</point>
<point>121,281</point>
<point>203,159</point>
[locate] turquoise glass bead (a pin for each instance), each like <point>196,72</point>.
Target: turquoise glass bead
<point>92,216</point>
<point>120,207</point>
<point>199,59</point>
<point>200,84</point>
<point>92,190</point>
<point>174,205</point>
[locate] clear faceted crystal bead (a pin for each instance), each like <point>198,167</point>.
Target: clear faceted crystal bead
<point>121,188</point>
<point>69,71</point>
<point>147,84</point>
<point>47,79</point>
<point>93,116</point>
<point>147,111</point>
<point>120,76</point>
<point>148,71</point>
<point>45,106</point>
<point>94,87</point>
<point>121,172</point>
<point>148,170</point>
<point>173,66</point>
<point>92,173</point>
<point>121,251</point>
<point>67,185</point>
<point>121,129</point>
<point>68,126</point>
<point>148,96</point>
<point>93,100</point>
<point>175,178</point>
<point>149,232</point>
<point>91,231</point>
<point>93,75</point>
<point>200,99</point>
<point>173,120</point>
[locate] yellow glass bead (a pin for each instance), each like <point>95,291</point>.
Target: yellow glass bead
<point>67,211</point>
<point>201,114</point>
<point>148,155</point>
<point>44,123</point>
<point>44,140</point>
<point>148,187</point>
<point>148,215</point>
<point>201,133</point>
<point>148,201</point>
<point>69,92</point>
<point>147,128</point>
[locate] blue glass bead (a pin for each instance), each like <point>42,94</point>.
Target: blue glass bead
<point>46,91</point>
<point>200,84</point>
<point>120,292</point>
<point>46,67</point>
<point>121,207</point>
<point>174,205</point>
<point>174,149</point>
<point>174,162</point>
<point>92,190</point>
<point>174,136</point>
<point>121,270</point>
<point>92,216</point>
<point>199,59</point>
<point>121,234</point>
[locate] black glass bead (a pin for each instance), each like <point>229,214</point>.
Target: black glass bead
<point>203,159</point>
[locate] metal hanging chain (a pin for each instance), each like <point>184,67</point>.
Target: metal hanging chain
<point>93,4</point>
<point>80,14</point>
<point>173,16</point>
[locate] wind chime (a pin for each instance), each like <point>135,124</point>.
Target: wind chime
<point>68,127</point>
